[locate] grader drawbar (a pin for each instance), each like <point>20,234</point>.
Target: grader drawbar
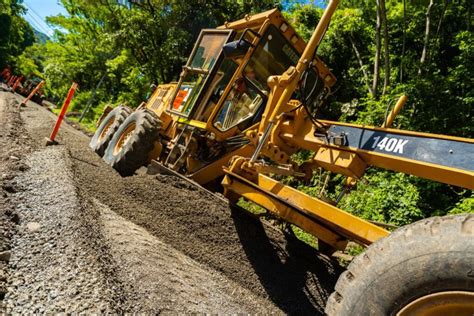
<point>232,118</point>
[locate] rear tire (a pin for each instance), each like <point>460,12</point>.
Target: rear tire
<point>417,262</point>
<point>130,146</point>
<point>107,129</point>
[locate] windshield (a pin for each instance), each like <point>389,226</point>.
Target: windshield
<point>273,56</point>
<point>208,51</point>
<point>242,103</point>
<point>216,89</point>
<point>197,71</point>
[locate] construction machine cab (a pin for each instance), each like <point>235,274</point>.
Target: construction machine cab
<point>273,55</point>
<point>223,86</point>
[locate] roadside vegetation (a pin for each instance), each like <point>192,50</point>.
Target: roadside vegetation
<point>378,50</point>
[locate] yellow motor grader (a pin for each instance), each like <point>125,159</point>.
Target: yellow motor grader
<point>245,113</point>
<point>196,125</point>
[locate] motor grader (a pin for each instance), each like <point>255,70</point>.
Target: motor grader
<point>196,125</point>
<point>426,268</point>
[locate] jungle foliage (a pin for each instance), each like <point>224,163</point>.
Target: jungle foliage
<point>15,32</point>
<point>377,49</point>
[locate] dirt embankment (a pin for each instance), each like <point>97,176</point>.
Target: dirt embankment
<point>158,244</point>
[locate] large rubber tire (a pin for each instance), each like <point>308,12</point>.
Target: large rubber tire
<point>430,256</point>
<point>107,129</point>
<point>130,146</point>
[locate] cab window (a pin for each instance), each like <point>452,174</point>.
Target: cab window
<point>219,83</point>
<point>273,55</point>
<point>197,71</point>
<point>242,103</point>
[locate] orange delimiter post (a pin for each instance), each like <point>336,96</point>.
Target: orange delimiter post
<point>17,83</point>
<point>70,94</point>
<point>32,93</point>
<point>12,79</point>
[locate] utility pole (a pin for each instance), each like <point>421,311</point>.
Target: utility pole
<point>89,103</point>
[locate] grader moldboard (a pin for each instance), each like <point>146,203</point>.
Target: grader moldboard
<point>233,117</point>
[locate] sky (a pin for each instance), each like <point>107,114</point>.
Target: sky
<point>38,10</point>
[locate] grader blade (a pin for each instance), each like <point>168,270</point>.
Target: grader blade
<point>321,219</point>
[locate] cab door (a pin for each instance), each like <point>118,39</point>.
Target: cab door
<point>199,71</point>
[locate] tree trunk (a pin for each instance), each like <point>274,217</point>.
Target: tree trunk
<point>383,16</point>
<point>362,66</point>
<point>441,18</point>
<point>424,53</point>
<point>89,103</point>
<point>403,39</point>
<point>375,81</point>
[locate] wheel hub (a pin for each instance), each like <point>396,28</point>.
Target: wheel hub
<point>455,303</point>
<point>105,130</point>
<point>124,138</point>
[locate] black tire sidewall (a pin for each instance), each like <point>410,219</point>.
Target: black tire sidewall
<point>97,145</point>
<point>403,282</point>
<point>429,256</point>
<point>135,151</point>
<point>109,156</point>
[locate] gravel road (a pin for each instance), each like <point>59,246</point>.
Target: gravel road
<point>80,238</point>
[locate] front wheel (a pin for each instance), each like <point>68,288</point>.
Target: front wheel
<point>426,268</point>
<point>107,129</point>
<point>131,145</point>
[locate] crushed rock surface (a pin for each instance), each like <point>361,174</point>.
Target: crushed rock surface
<point>14,145</point>
<point>53,259</point>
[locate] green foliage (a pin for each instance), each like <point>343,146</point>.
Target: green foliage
<point>28,66</point>
<point>251,207</point>
<point>304,236</point>
<point>440,97</point>
<point>466,205</point>
<point>355,250</point>
<point>386,197</point>
<point>15,33</point>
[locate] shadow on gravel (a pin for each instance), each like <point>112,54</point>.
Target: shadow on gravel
<point>84,161</point>
<point>297,279</point>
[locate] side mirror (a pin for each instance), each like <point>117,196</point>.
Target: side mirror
<point>236,48</point>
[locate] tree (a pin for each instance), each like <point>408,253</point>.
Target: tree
<point>427,36</point>
<point>378,27</point>
<point>383,17</point>
<point>16,34</point>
